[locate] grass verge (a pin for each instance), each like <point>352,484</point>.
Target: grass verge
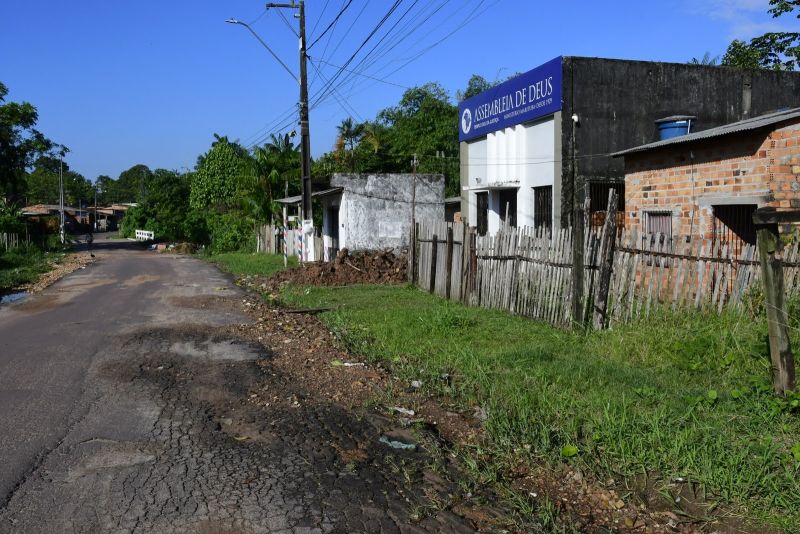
<point>23,265</point>
<point>681,396</point>
<point>247,263</point>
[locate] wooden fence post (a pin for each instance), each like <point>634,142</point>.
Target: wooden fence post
<point>770,250</point>
<point>464,259</point>
<point>449,266</point>
<point>434,253</point>
<point>412,254</point>
<point>606,261</point>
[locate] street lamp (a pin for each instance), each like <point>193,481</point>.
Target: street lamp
<point>265,45</point>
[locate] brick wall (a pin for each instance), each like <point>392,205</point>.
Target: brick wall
<point>686,180</point>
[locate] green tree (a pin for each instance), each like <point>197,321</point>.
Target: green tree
<point>220,175</point>
<point>773,50</point>
<point>43,184</point>
<point>133,185</point>
<point>165,208</point>
<point>424,123</point>
<point>20,144</point>
<point>105,189</point>
<point>475,85</point>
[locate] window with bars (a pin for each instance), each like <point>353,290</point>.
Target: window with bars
<point>598,202</point>
<point>543,206</point>
<point>658,222</point>
<point>482,201</point>
<point>658,235</point>
<point>734,227</point>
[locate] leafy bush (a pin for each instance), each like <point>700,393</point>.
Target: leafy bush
<point>229,232</point>
<point>195,227</point>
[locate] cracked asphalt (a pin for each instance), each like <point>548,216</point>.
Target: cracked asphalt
<point>125,409</point>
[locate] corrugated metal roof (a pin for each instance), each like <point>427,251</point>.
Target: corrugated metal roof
<point>742,126</point>
<point>452,200</point>
<point>297,199</point>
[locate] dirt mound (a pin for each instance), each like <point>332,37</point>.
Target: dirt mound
<point>362,267</point>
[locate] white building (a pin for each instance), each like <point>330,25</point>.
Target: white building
<point>510,137</point>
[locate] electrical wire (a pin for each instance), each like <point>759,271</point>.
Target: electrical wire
<point>324,92</point>
<point>333,23</point>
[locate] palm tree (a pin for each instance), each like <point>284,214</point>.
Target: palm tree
<point>707,59</point>
<point>273,165</point>
<point>349,136</point>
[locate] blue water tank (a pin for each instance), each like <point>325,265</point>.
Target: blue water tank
<point>675,126</point>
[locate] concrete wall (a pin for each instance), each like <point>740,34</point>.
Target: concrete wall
<point>688,179</point>
<point>618,101</point>
<point>375,209</point>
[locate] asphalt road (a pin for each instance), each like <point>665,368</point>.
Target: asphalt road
<point>122,397</point>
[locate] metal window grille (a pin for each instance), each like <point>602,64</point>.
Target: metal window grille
<point>733,226</point>
<point>543,206</point>
<point>482,200</point>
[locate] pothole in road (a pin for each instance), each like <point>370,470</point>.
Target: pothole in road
<point>195,343</point>
<point>217,350</point>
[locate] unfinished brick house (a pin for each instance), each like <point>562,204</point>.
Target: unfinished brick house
<point>707,184</point>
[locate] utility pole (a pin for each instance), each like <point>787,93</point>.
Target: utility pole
<point>577,234</point>
<point>61,196</point>
<point>414,166</point>
<point>305,136</point>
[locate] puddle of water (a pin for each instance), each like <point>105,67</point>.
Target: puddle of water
<point>13,297</point>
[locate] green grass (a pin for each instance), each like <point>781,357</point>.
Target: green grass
<point>678,395</point>
<point>248,263</point>
<point>23,265</point>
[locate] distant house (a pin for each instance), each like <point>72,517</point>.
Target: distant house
<point>374,211</point>
<point>108,217</point>
<point>708,184</point>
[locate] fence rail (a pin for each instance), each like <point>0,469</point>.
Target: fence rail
<point>528,271</point>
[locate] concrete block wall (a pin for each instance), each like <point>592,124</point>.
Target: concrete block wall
<point>686,180</point>
<point>375,209</point>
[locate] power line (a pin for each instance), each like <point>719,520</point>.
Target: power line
<point>360,74</point>
<point>324,8</point>
<point>333,23</point>
<point>362,45</point>
<point>342,102</point>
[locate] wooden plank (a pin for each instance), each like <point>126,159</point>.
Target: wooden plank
<point>770,254</point>
<point>605,259</point>
<point>449,263</point>
<point>432,279</point>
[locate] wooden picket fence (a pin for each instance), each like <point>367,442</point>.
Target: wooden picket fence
<point>528,271</point>
<point>10,240</point>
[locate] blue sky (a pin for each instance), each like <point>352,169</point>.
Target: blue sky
<point>150,82</point>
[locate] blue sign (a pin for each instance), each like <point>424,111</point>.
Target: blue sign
<point>528,96</point>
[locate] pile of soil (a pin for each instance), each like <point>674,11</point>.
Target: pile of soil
<point>362,267</point>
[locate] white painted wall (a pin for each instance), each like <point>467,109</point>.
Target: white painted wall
<point>522,155</point>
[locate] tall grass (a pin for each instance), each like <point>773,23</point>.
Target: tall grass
<point>676,396</point>
<point>24,264</point>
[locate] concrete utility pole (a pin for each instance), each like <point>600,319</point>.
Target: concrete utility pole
<point>61,197</point>
<point>577,233</point>
<point>305,136</point>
